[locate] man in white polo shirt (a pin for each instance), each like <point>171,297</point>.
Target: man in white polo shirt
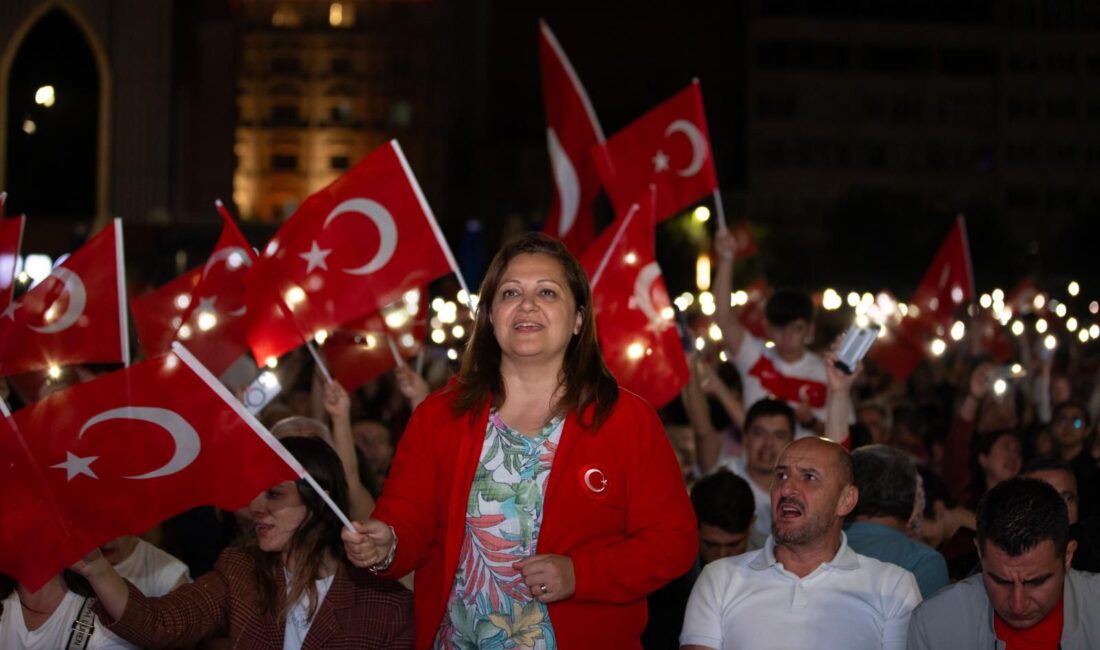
<point>805,588</point>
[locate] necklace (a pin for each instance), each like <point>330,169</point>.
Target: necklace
<point>37,611</point>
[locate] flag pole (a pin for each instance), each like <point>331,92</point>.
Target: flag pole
<point>427,209</point>
<point>719,209</point>
<point>611,248</point>
<point>393,350</point>
<point>318,360</point>
<point>120,275</point>
<point>184,355</point>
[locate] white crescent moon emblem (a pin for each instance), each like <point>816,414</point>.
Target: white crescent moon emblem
<point>588,480</point>
<point>565,179</point>
<point>183,435</point>
<point>74,286</point>
<point>698,145</point>
<point>643,285</point>
<point>387,231</point>
<point>223,255</point>
<point>804,393</point>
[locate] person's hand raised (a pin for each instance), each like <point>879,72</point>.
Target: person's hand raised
<point>370,544</point>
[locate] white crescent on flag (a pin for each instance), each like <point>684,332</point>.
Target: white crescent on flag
<point>566,181</point>
<point>78,298</point>
<point>184,436</point>
<point>643,287</point>
<point>387,231</point>
<point>698,145</point>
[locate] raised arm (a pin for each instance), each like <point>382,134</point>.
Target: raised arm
<point>338,406</point>
<point>838,410</point>
<point>733,332</point>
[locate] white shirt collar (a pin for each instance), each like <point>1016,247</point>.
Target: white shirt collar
<point>845,557</point>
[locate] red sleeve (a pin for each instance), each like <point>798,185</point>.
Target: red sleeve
<point>661,540</point>
<point>410,493</point>
<point>956,459</point>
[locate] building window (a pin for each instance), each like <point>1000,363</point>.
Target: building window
<point>341,14</point>
<point>284,163</point>
<point>286,15</point>
<point>285,116</point>
<point>339,162</point>
<point>341,113</point>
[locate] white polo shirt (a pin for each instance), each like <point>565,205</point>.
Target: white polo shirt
<point>751,601</point>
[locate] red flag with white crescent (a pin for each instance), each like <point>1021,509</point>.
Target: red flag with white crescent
<point>163,428</point>
<point>349,250</point>
<point>571,131</point>
<point>634,317</point>
<point>76,315</point>
<point>361,350</point>
<point>670,147</point>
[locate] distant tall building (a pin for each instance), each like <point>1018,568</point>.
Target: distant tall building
<point>926,107</point>
<point>321,85</point>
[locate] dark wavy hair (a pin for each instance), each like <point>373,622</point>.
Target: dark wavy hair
<point>317,538</point>
<point>590,389</point>
<point>725,500</point>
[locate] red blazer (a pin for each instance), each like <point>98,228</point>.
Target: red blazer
<point>615,503</point>
<point>359,611</point>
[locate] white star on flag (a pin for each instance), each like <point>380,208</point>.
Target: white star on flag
<point>660,162</point>
<point>75,466</point>
<point>315,258</point>
<point>206,303</point>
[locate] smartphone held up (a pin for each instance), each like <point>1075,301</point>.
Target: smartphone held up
<point>854,346</point>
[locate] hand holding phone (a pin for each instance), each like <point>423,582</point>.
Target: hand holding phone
<point>854,346</point>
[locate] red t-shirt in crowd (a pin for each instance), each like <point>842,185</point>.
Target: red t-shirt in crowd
<point>1047,633</point>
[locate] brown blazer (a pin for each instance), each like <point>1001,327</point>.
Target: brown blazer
<point>360,611</point>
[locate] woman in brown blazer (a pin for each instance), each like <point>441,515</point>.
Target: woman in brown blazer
<point>287,585</point>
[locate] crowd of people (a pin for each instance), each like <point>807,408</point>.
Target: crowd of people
<point>530,502</point>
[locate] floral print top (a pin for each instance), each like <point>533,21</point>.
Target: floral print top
<point>490,606</point>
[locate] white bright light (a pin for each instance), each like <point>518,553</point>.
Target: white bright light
<point>1060,310</point>
<point>630,258</point>
<point>396,319</point>
<point>268,379</point>
<point>1050,342</point>
<point>1071,324</point>
<point>957,295</point>
<point>1041,325</point>
<point>458,331</point>
<point>295,295</point>
<point>1094,307</point>
<point>714,332</point>
<point>45,96</point>
<point>1017,328</point>
<point>320,336</point>
<point>437,303</point>
<point>1000,386</point>
<point>831,300</point>
<point>407,340</point>
<point>700,343</point>
<point>769,344</point>
<point>207,321</point>
<point>452,355</point>
<point>701,214</point>
<point>411,297</point>
<point>55,372</point>
<point>1039,301</point>
<point>1094,331</point>
<point>271,362</point>
<point>183,301</point>
<point>667,313</point>
<point>985,301</point>
<point>723,357</point>
<point>998,295</point>
<point>958,330</point>
<point>29,127</point>
<point>184,332</point>
<point>1083,336</point>
<point>739,298</point>
<point>862,321</point>
<point>707,308</point>
<point>1073,288</point>
<point>938,347</point>
<point>438,336</point>
<point>635,351</point>
<point>853,298</point>
<point>38,267</point>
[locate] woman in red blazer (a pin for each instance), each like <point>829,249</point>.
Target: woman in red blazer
<point>288,585</point>
<point>537,502</point>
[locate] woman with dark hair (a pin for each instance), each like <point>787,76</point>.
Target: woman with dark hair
<point>287,585</point>
<point>537,502</point>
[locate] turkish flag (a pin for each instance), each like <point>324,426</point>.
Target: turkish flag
<point>202,308</point>
<point>948,283</point>
<point>76,315</point>
<point>74,463</point>
<point>788,389</point>
<point>633,313</point>
<point>571,131</point>
<point>11,238</point>
<point>670,147</point>
<point>349,250</point>
<point>159,313</point>
<point>360,351</point>
<point>949,280</point>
